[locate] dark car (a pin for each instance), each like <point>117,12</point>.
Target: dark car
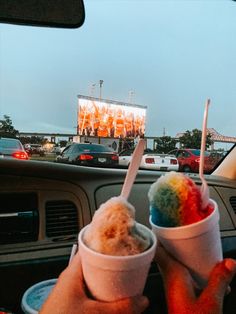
<point>34,149</point>
<point>89,155</point>
<point>12,148</point>
<point>189,160</point>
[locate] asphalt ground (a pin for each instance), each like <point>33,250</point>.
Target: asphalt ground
<point>46,157</point>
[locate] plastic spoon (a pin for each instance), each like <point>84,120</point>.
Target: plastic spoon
<point>73,252</point>
<point>133,169</point>
<point>204,187</point>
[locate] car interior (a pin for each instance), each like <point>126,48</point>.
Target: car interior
<point>44,205</point>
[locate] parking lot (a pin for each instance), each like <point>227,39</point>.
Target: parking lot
<point>46,157</point>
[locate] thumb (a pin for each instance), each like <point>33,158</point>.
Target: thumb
<point>218,282</point>
<point>133,305</point>
<point>72,276</point>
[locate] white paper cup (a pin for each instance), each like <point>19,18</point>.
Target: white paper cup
<point>197,246</point>
<point>111,278</point>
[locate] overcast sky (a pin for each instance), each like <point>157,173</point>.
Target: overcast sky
<point>172,54</point>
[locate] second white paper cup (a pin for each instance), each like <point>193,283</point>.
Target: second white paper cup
<point>111,278</point>
<point>197,246</point>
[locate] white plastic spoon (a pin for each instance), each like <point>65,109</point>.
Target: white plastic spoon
<point>131,174</point>
<point>204,187</point>
<point>133,169</point>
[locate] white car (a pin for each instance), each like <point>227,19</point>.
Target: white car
<point>58,150</point>
<point>150,160</point>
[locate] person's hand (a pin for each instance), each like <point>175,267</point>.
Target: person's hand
<point>69,297</point>
<point>181,296</point>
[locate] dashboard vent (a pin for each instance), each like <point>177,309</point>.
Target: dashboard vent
<point>233,203</point>
<point>61,218</point>
<point>19,217</point>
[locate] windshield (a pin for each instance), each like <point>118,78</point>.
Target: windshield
<point>121,76</point>
<point>93,148</point>
<point>197,152</point>
<point>9,144</point>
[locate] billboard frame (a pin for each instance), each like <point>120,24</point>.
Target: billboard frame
<point>112,102</point>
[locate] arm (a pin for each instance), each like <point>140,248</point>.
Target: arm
<point>181,296</point>
<point>69,296</point>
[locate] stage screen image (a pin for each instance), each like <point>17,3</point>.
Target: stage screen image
<point>110,118</point>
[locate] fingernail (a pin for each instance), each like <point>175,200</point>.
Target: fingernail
<point>230,264</point>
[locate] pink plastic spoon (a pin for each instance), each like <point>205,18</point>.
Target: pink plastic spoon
<point>204,187</point>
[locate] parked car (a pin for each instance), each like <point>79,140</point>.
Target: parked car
<point>125,156</point>
<point>58,150</point>
<point>12,148</point>
<point>34,149</point>
<point>151,160</point>
<point>88,155</point>
<point>189,160</point>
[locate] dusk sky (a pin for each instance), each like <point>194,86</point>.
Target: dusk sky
<point>172,54</point>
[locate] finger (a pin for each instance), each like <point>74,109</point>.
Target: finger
<point>171,268</point>
<point>218,282</point>
<point>69,284</point>
<point>166,261</point>
<point>75,267</point>
<point>163,258</point>
<point>178,282</point>
<point>73,276</point>
<point>134,305</point>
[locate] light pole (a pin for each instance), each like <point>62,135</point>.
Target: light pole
<point>100,85</point>
<point>131,96</point>
<point>91,89</point>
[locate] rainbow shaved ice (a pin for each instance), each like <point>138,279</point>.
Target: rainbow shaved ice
<point>175,200</point>
<point>113,230</point>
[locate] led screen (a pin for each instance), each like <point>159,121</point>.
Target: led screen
<point>107,119</point>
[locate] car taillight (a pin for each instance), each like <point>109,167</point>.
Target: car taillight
<point>150,160</point>
<point>20,155</point>
<point>4,311</point>
<point>114,157</point>
<point>173,162</point>
<point>85,157</point>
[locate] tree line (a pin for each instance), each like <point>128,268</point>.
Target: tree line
<point>189,139</point>
<point>8,130</point>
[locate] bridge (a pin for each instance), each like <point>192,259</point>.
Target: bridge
<point>46,134</point>
<point>216,137</point>
<point>53,136</point>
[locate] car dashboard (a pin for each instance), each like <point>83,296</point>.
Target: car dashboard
<point>44,205</point>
